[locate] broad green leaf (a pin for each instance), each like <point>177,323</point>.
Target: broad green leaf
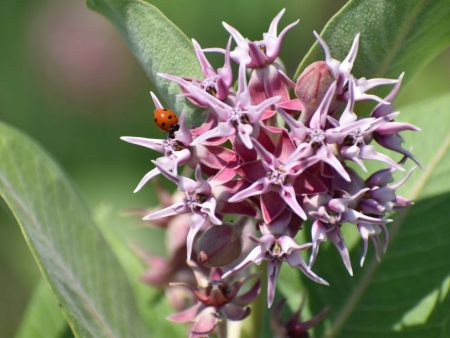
<point>43,317</point>
<point>76,261</point>
<point>407,294</point>
<point>118,231</point>
<point>396,35</point>
<point>159,45</point>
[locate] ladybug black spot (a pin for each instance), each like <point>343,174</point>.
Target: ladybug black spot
<point>163,124</point>
<point>156,120</point>
<point>170,117</point>
<point>165,109</point>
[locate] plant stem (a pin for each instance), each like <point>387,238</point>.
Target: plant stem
<point>222,331</point>
<point>259,304</point>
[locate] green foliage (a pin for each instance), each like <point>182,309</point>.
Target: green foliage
<point>159,45</point>
<point>396,36</point>
<point>404,296</point>
<point>43,318</point>
<point>151,302</point>
<point>407,294</point>
<point>69,249</point>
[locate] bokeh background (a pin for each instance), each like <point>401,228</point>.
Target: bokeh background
<point>68,80</point>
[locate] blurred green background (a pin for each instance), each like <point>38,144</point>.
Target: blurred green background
<point>68,80</point>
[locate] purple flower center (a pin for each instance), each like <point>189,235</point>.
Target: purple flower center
<point>172,145</point>
<point>275,252</point>
<point>210,85</point>
<point>277,176</point>
<point>237,116</point>
<point>262,47</point>
<point>316,137</point>
<point>218,293</point>
<point>355,138</point>
<point>193,201</point>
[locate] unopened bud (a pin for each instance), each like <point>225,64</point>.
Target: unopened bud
<point>311,87</point>
<point>219,245</point>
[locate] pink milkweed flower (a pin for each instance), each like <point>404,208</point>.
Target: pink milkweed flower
<point>379,200</point>
<point>388,135</point>
<point>241,119</point>
<point>341,71</point>
<point>216,82</point>
<point>216,299</point>
<point>198,201</point>
<point>315,139</point>
<point>176,150</point>
<point>276,250</point>
<point>353,135</point>
<point>294,327</point>
<point>257,54</point>
<point>329,213</point>
<point>278,179</point>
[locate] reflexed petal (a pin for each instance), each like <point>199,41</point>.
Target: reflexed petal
<point>273,270</point>
<point>318,235</point>
<point>248,297</point>
<point>205,323</point>
<point>197,223</point>
<point>296,261</point>
<point>271,206</point>
<point>187,315</point>
<point>287,193</point>
<point>234,312</point>
<point>265,155</point>
<point>336,238</point>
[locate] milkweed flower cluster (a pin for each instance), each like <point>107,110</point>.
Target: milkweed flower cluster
<point>280,163</point>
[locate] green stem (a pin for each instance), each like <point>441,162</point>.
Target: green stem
<point>222,331</point>
<point>259,305</point>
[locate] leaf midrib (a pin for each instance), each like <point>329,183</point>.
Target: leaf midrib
<point>363,283</point>
<point>88,305</point>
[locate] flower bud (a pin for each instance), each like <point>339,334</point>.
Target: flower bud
<point>311,87</point>
<point>219,245</point>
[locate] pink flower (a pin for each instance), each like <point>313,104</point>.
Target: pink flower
<point>276,250</point>
<point>239,119</point>
<point>280,179</point>
<point>216,299</point>
<point>256,54</point>
<point>197,200</point>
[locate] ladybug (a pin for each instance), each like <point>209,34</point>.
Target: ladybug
<point>166,120</point>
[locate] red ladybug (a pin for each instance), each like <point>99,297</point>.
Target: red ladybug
<point>165,119</point>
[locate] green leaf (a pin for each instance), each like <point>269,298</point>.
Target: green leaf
<point>407,294</point>
<point>43,317</point>
<point>159,45</point>
<point>120,232</point>
<point>396,36</point>
<point>69,249</point>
